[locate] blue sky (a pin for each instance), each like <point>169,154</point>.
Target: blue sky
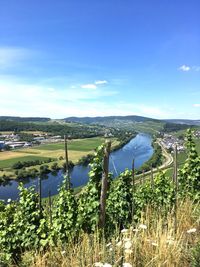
<point>96,58</point>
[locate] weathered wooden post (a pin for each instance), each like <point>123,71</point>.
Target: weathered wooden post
<point>152,179</point>
<point>133,187</point>
<point>175,188</point>
<point>104,186</point>
<point>67,164</point>
<point>40,193</point>
<point>50,209</point>
<point>143,176</point>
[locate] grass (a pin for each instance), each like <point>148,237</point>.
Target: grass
<point>76,149</point>
<point>9,162</point>
<point>76,145</point>
<point>155,245</point>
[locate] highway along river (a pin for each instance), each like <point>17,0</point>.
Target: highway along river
<point>139,148</point>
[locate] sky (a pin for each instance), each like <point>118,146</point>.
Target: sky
<point>61,58</point>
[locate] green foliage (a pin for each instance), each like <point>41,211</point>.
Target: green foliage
<point>29,221</point>
<point>154,161</point>
<point>159,195</point>
<point>22,164</point>
<point>73,130</point>
<point>64,215</point>
<point>190,173</point>
<point>119,202</point>
<point>23,226</point>
<point>8,239</point>
<point>174,127</point>
<point>88,202</point>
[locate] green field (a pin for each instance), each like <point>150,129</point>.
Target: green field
<point>77,148</point>
<point>7,163</point>
<point>75,145</point>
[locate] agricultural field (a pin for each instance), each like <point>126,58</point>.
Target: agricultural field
<point>76,149</point>
<point>7,163</point>
<point>75,145</point>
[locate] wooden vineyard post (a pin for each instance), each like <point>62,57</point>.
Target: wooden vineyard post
<point>40,193</point>
<point>133,187</point>
<point>67,164</point>
<point>175,188</point>
<point>104,186</point>
<point>152,179</point>
<point>143,176</point>
<point>50,209</point>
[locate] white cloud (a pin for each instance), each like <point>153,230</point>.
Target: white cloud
<point>196,105</point>
<point>50,89</point>
<point>32,100</point>
<point>94,85</point>
<point>99,82</point>
<point>18,99</point>
<point>89,86</point>
<point>184,68</point>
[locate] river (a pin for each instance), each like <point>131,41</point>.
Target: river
<point>139,148</point>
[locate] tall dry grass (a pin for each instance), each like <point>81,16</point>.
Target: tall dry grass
<point>152,242</point>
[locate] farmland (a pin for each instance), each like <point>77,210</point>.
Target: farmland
<point>76,149</point>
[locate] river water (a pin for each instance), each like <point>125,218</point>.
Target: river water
<point>139,148</point>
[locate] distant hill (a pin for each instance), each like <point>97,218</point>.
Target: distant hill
<point>125,123</point>
<point>108,119</point>
<point>24,119</point>
<point>182,121</point>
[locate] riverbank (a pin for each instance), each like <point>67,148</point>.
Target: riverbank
<point>165,165</point>
<point>139,148</point>
<point>50,157</point>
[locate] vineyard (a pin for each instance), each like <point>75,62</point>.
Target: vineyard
<point>112,222</point>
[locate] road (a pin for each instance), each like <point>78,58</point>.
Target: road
<point>168,161</point>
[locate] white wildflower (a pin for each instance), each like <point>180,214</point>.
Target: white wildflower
<point>98,264</point>
<point>9,200</point>
<point>126,239</point>
<point>128,245</point>
<point>192,230</point>
<point>128,251</point>
<point>170,241</point>
<point>126,264</point>
<point>119,244</point>
<point>124,230</point>
<point>107,265</point>
<point>142,226</point>
<point>111,249</point>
